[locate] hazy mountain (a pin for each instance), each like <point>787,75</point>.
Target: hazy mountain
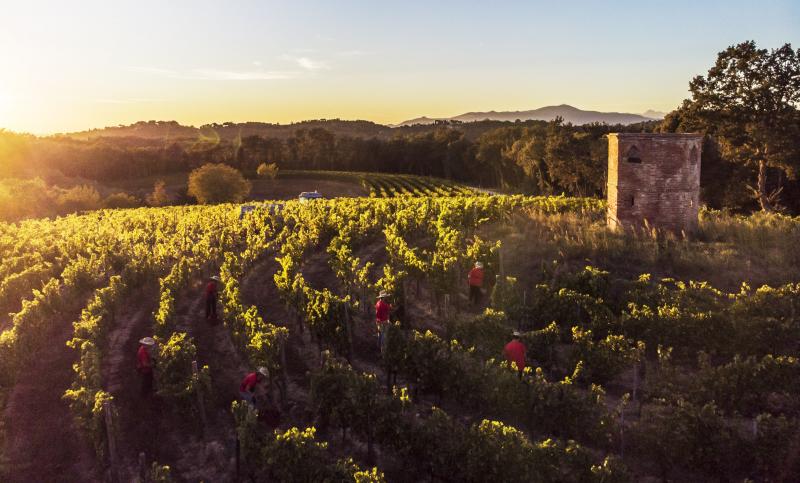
<point>654,114</point>
<point>419,120</point>
<point>570,114</point>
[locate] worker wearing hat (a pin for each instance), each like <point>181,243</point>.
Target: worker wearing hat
<point>475,280</point>
<point>382,309</point>
<point>514,352</point>
<point>247,389</point>
<point>144,364</point>
<point>211,297</point>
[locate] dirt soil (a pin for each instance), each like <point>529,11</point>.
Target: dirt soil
<point>290,188</point>
<point>43,443</point>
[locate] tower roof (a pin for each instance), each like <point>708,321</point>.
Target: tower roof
<point>661,135</point>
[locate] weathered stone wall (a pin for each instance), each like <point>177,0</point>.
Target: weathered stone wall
<point>654,177</point>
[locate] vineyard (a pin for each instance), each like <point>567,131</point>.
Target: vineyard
<point>636,369</point>
<point>383,185</point>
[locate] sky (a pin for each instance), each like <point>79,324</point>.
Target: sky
<point>69,66</point>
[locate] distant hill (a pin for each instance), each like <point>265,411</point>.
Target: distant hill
<point>570,114</point>
<point>654,114</point>
<point>229,130</point>
<point>472,123</point>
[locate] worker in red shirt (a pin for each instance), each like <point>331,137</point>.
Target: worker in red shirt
<point>475,280</point>
<point>247,389</point>
<point>382,309</point>
<point>211,297</point>
<point>514,352</point>
<point>144,364</point>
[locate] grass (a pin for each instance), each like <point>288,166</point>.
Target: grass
<point>726,251</point>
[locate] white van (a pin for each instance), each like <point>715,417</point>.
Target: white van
<point>307,196</point>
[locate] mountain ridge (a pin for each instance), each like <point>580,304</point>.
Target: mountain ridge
<point>570,114</point>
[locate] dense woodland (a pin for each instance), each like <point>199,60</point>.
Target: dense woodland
<point>534,157</point>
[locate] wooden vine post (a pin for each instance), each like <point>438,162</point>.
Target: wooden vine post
<point>238,459</point>
<point>284,373</point>
<point>110,436</point>
<point>200,404</point>
<point>142,467</point>
<point>622,432</point>
<point>349,329</point>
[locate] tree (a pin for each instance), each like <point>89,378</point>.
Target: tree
<point>24,198</point>
<point>492,154</point>
<point>159,196</point>
<point>269,171</point>
<point>749,102</point>
<point>218,183</point>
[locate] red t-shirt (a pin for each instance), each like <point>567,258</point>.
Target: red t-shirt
<point>211,289</point>
<point>476,277</point>
<point>143,361</point>
<point>515,352</point>
<point>382,311</point>
<point>249,382</point>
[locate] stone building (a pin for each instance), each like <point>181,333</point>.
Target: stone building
<point>654,177</point>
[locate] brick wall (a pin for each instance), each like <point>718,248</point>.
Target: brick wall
<point>654,177</point>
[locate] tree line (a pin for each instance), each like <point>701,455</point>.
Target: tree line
<point>535,156</point>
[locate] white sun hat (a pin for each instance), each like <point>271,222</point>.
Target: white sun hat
<point>263,371</point>
<point>478,265</point>
<point>383,294</point>
<point>517,333</point>
<point>214,277</point>
<point>147,341</point>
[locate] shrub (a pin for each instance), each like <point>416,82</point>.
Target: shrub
<point>174,377</point>
<point>218,183</point>
<point>121,200</point>
<point>487,333</point>
<point>268,171</point>
<point>159,196</point>
<point>79,198</point>
<point>506,297</point>
<point>160,473</point>
<point>604,358</point>
<point>247,433</point>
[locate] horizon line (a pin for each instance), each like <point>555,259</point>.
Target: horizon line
<point>390,125</point>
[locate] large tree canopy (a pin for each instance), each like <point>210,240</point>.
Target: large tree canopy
<point>749,102</point>
<point>218,183</point>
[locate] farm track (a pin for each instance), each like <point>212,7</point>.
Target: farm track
<point>209,455</point>
<point>145,425</point>
<point>167,437</point>
<point>258,288</point>
<point>43,443</point>
<point>137,428</point>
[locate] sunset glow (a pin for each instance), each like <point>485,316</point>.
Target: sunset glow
<point>95,64</point>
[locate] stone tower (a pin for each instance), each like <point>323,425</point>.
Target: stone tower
<point>654,177</point>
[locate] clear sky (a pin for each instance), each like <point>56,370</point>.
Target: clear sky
<point>72,65</point>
